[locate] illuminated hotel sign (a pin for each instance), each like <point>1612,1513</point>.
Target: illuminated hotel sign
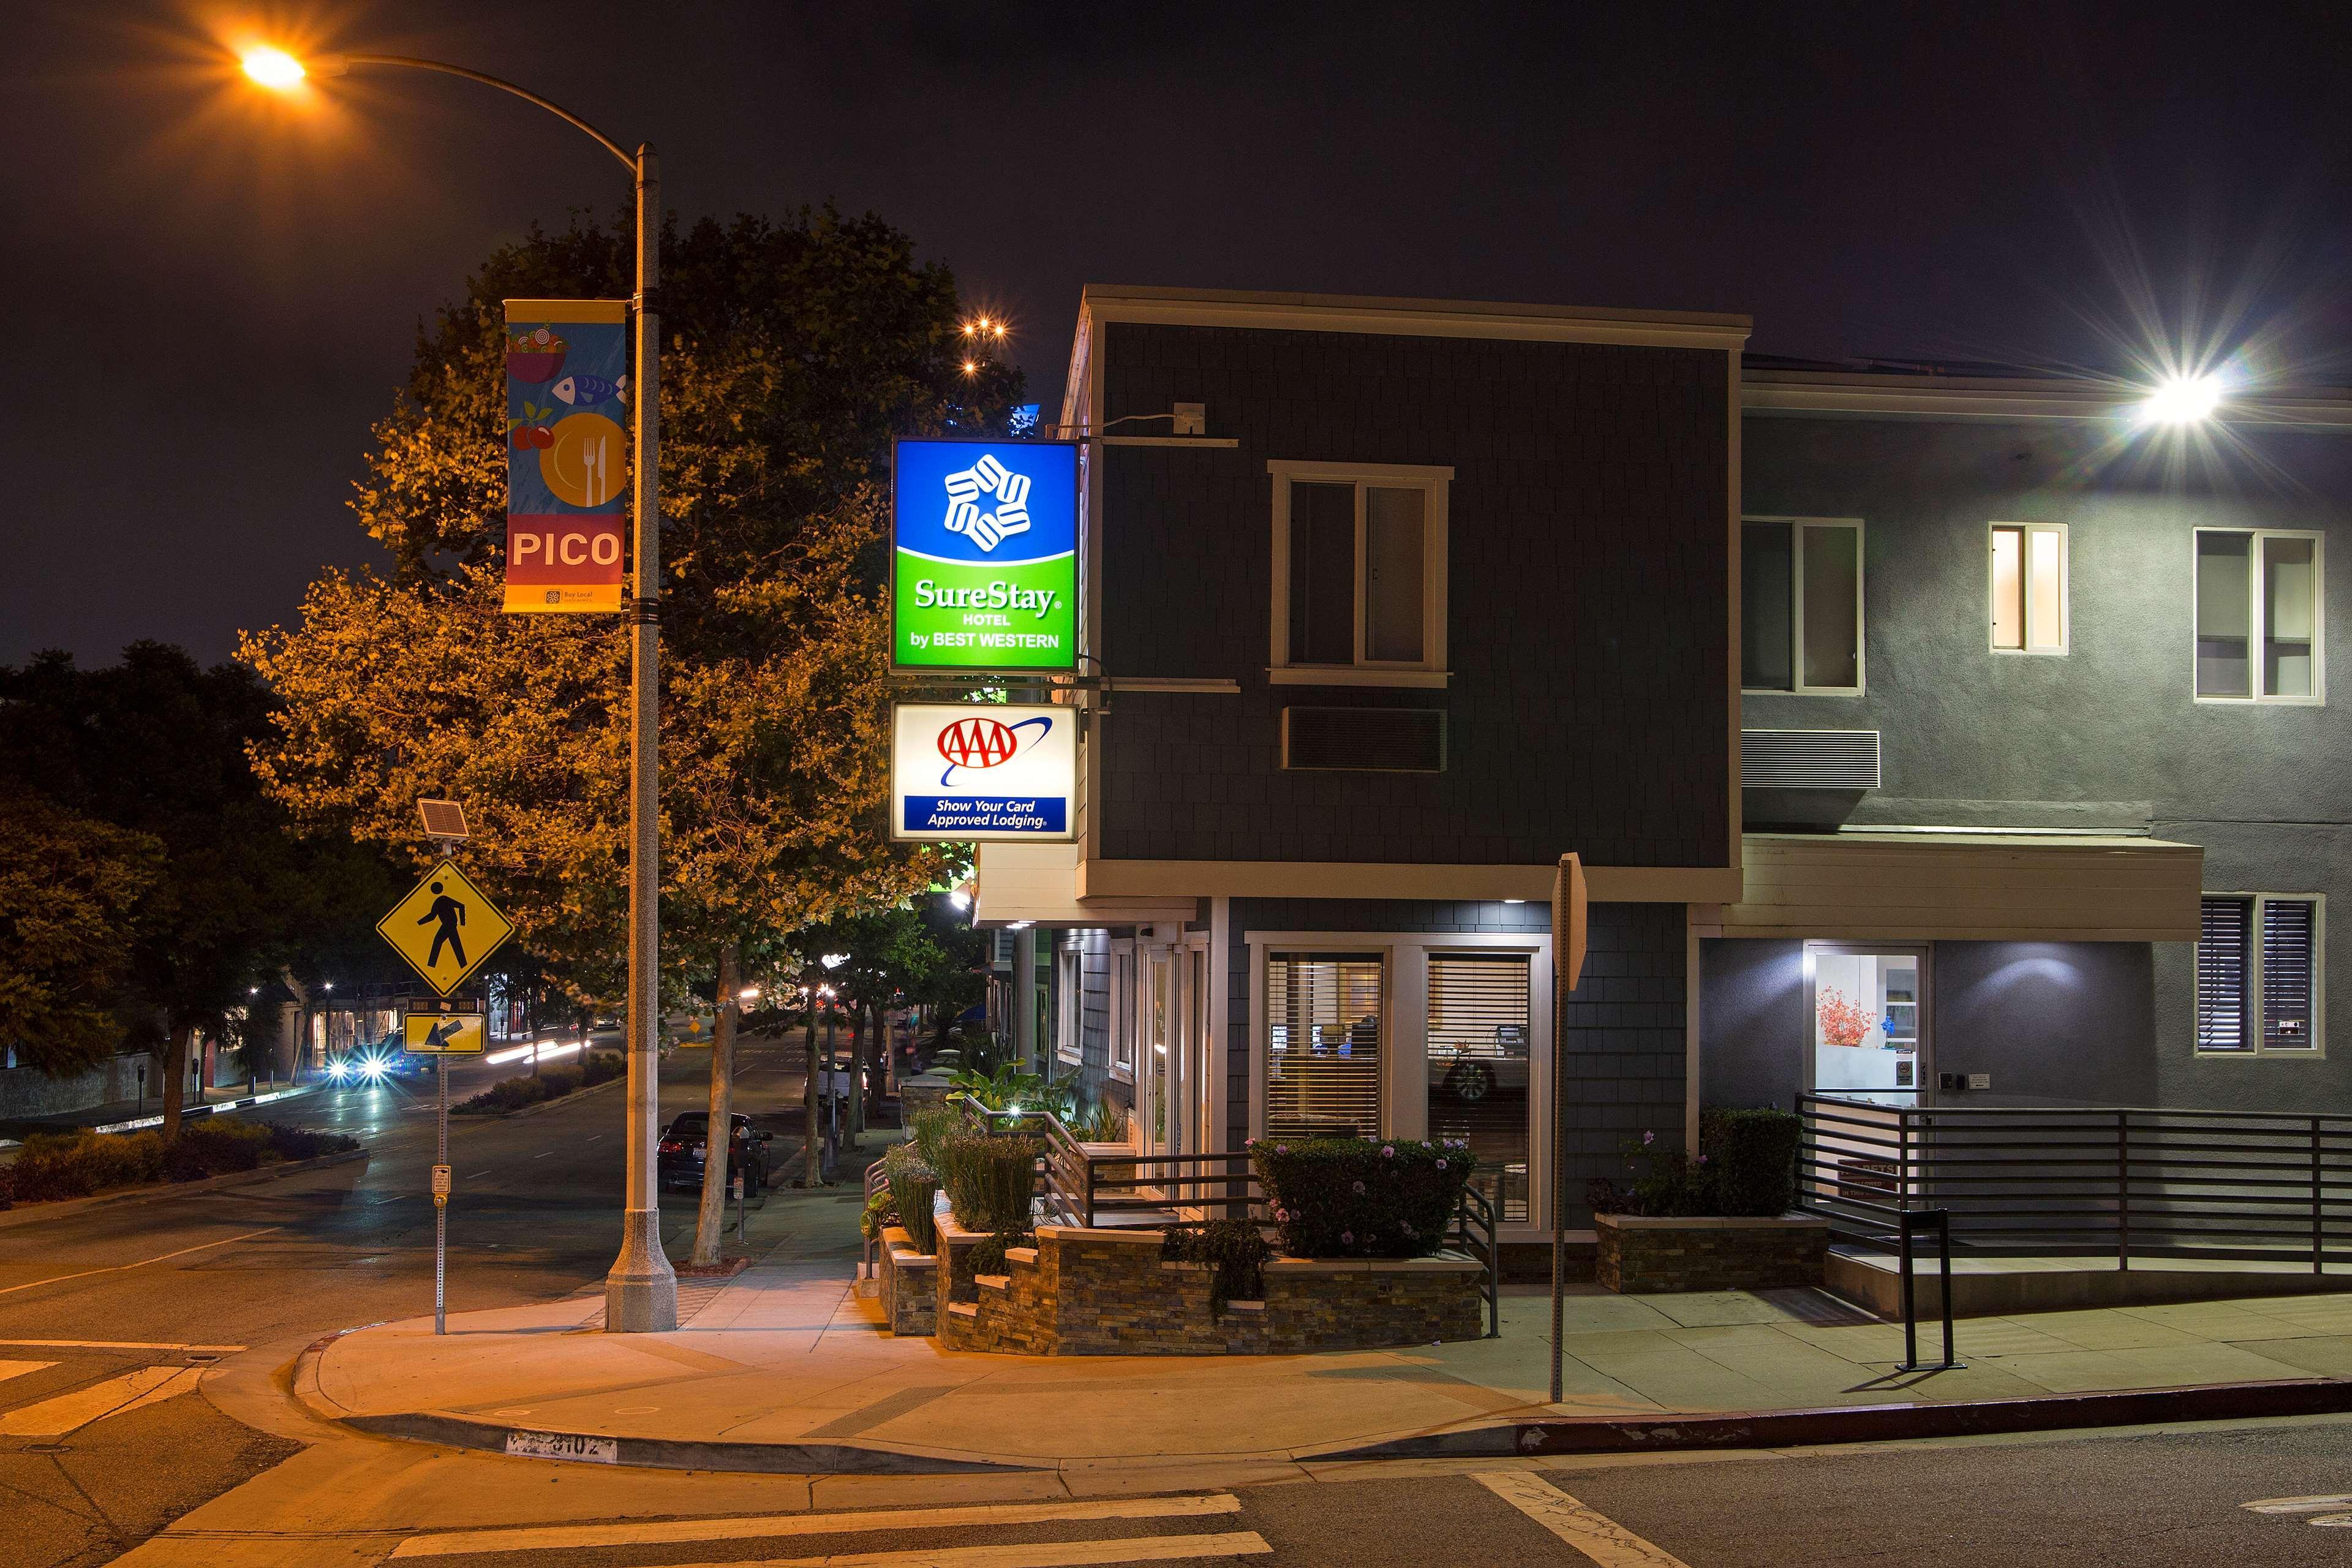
<point>985,562</point>
<point>982,771</point>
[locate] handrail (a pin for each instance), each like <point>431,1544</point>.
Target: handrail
<point>876,1177</point>
<point>2119,1182</point>
<point>1477,1209</point>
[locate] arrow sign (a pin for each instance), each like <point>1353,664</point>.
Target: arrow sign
<point>445,928</point>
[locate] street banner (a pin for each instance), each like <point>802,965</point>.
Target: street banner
<point>567,454</point>
<point>445,928</point>
<point>976,771</point>
<point>984,563</point>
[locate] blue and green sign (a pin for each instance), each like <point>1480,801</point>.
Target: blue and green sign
<point>984,571</point>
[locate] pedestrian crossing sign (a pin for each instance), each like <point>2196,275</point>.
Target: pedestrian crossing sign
<point>445,928</point>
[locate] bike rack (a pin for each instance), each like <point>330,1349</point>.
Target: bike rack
<point>1911,1222</point>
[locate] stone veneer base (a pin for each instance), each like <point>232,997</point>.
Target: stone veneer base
<point>1108,1292</point>
<point>1639,1255</point>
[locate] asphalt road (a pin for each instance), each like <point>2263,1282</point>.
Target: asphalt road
<point>91,1301</point>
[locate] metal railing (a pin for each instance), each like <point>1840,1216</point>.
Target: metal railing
<point>1473,1233</point>
<point>1082,1188</point>
<point>2084,1180</point>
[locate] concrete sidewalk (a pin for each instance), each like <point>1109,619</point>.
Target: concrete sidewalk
<point>789,1369</point>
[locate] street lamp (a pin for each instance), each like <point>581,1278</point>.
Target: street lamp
<point>2182,400</point>
<point>641,1290</point>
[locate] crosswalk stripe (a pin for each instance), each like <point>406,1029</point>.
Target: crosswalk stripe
<point>56,1417</point>
<point>1031,1554</point>
<point>1601,1538</point>
<point>543,1538</point>
<point>2323,1503</point>
<point>10,1369</point>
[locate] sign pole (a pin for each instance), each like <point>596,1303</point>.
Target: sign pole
<point>441,1204</point>
<point>641,1291</point>
<point>1568,945</point>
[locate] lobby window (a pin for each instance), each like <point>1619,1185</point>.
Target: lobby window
<point>1801,605</point>
<point>2029,587</point>
<point>1122,1010</point>
<point>1359,572</point>
<point>2261,615</point>
<point>1069,1040</point>
<point>2259,982</point>
<point>1478,1039</point>
<point>1326,1021</point>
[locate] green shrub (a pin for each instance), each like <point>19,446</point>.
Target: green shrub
<point>1104,1123</point>
<point>1237,1247</point>
<point>881,1213</point>
<point>915,1189</point>
<point>990,1181</point>
<point>54,1165</point>
<point>213,1147</point>
<point>301,1143</point>
<point>1753,1156</point>
<point>557,1082</point>
<point>1362,1198</point>
<point>931,1128</point>
<point>987,1253</point>
<point>1008,1089</point>
<point>601,1066</point>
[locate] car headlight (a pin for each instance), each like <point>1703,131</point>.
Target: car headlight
<point>374,1069</point>
<point>339,1071</point>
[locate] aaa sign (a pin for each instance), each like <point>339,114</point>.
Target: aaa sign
<point>445,928</point>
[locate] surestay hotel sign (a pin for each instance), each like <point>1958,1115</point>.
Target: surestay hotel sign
<point>984,564</point>
<point>982,771</point>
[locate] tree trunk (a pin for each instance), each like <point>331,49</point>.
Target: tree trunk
<point>812,1169</point>
<point>720,1139</point>
<point>174,1068</point>
<point>861,1034</point>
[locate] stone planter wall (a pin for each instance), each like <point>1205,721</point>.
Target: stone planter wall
<point>1108,1292</point>
<point>910,1285</point>
<point>1643,1256</point>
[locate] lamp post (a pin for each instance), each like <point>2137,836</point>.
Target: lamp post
<point>641,1290</point>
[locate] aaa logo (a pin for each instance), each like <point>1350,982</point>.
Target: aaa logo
<point>976,744</point>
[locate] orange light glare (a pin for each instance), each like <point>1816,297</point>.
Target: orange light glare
<point>274,68</point>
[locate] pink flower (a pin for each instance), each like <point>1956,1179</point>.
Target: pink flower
<point>1388,1150</point>
<point>1648,1139</point>
<point>1441,1164</point>
<point>1347,1238</point>
<point>1360,1186</point>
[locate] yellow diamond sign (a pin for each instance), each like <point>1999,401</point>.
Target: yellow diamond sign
<point>445,928</point>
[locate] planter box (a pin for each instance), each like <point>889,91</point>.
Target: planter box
<point>910,1285</point>
<point>1642,1256</point>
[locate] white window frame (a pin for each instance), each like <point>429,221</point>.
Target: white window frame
<point>2259,627</point>
<point>2256,1049</point>
<point>2026,532</point>
<point>1404,1086</point>
<point>1069,1006</point>
<point>1797,526</point>
<point>1429,669</point>
<point>1123,1011</point>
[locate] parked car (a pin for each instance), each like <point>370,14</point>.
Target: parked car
<point>679,1156</point>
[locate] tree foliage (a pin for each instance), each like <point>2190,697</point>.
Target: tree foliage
<point>70,891</point>
<point>793,351</point>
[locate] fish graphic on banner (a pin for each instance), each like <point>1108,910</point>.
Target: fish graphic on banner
<point>567,454</point>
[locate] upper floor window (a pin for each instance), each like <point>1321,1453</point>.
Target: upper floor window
<point>2259,962</point>
<point>1359,568</point>
<point>1801,604</point>
<point>2029,587</point>
<point>2260,616</point>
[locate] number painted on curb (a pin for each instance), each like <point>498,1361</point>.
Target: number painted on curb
<point>564,1446</point>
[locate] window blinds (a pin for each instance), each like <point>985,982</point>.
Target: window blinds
<point>2288,928</point>
<point>1325,1019</point>
<point>1478,1006</point>
<point>2224,932</point>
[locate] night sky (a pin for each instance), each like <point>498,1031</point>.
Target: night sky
<point>212,294</point>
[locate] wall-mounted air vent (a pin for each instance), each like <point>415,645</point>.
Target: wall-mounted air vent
<point>1809,758</point>
<point>1365,739</point>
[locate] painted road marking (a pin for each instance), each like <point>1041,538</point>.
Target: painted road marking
<point>119,1267</point>
<point>10,1369</point>
<point>2323,1511</point>
<point>1034,1555</point>
<point>119,1345</point>
<point>549,1537</point>
<point>1604,1540</point>
<point>115,1396</point>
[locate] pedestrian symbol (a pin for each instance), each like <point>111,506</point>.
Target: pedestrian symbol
<point>444,928</point>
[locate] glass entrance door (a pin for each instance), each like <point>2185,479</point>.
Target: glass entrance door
<point>1868,1021</point>
<point>1480,1033</point>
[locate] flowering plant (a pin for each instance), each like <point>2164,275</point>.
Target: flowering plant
<point>1844,1023</point>
<point>1362,1197</point>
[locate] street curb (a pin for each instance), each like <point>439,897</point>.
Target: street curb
<point>29,1213</point>
<point>530,1111</point>
<point>667,1454</point>
<point>1869,1422</point>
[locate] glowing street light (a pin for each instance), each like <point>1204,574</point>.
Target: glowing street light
<point>274,68</point>
<point>641,1290</point>
<point>2182,400</point>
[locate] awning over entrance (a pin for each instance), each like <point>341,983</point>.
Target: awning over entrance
<point>1962,886</point>
<point>1038,883</point>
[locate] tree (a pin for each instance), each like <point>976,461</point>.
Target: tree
<point>155,745</point>
<point>795,352</point>
<point>71,891</point>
